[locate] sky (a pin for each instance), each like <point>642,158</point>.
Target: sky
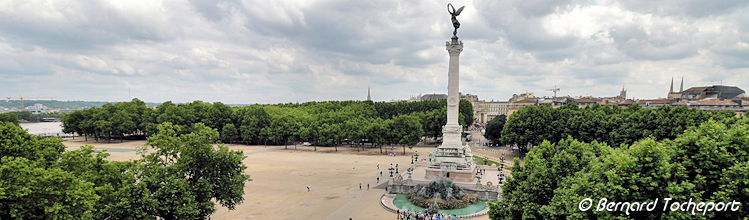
<point>245,52</point>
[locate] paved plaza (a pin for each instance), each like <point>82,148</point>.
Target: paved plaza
<point>279,180</point>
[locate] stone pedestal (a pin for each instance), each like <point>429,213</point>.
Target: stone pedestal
<point>459,176</point>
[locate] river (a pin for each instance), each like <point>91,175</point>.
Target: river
<point>43,128</point>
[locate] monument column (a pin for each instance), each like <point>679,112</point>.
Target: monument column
<point>451,131</point>
<point>452,159</point>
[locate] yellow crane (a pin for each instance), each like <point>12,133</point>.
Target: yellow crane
<point>27,98</point>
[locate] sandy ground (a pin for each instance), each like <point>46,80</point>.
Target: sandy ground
<point>280,176</point>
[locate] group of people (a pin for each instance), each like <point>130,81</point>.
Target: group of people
<point>404,215</point>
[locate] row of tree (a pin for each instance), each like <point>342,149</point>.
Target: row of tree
<point>326,123</point>
<point>609,124</point>
<point>708,163</point>
<point>179,176</point>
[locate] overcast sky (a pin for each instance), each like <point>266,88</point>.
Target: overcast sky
<point>275,51</point>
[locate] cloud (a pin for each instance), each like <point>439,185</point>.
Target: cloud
<point>246,51</point>
<point>691,8</point>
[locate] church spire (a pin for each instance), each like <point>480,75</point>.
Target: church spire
<point>681,88</point>
<point>671,89</point>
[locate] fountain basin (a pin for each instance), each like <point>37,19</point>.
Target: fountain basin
<point>401,202</point>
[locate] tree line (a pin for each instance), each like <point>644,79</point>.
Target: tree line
<point>613,125</point>
<point>708,163</point>
<point>9,117</point>
<point>179,176</point>
<point>325,123</point>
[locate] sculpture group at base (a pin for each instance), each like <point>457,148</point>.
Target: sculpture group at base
<point>442,192</point>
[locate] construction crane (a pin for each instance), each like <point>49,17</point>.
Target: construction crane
<point>27,98</point>
<point>555,90</point>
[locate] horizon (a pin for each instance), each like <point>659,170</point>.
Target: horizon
<point>341,100</point>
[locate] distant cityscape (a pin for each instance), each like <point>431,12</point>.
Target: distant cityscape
<point>709,98</point>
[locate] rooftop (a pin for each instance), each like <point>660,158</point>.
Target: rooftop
<point>706,102</point>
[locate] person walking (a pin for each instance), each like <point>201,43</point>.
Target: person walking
<point>308,188</point>
<point>378,179</point>
<point>367,186</point>
<point>359,186</point>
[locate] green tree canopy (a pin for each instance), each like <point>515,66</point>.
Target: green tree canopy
<point>705,163</point>
<point>494,128</point>
<point>183,176</point>
<point>613,125</point>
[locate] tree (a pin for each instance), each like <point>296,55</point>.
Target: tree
<point>641,172</point>
<point>31,187</point>
<point>186,174</point>
<point>406,130</point>
<point>87,126</point>
<point>29,191</point>
<point>466,111</point>
<point>251,121</point>
<point>71,123</point>
<point>733,185</point>
<point>229,133</point>
<point>705,163</point>
<point>494,128</point>
<point>257,124</point>
<point>613,125</point>
<point>281,129</point>
<point>330,134</point>
<point>9,117</point>
<point>353,130</point>
<point>169,112</point>
<point>707,151</point>
<point>377,132</point>
<point>120,196</point>
<point>528,126</point>
<point>123,123</point>
<point>15,142</point>
<point>532,184</point>
<point>432,122</point>
<point>218,116</point>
